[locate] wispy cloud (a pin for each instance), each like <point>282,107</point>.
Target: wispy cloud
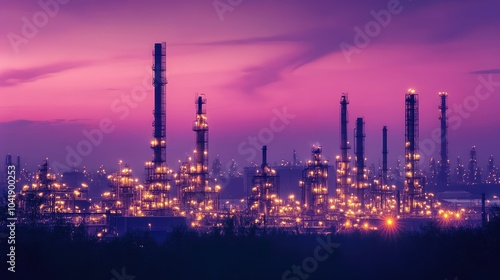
<point>486,71</point>
<point>313,44</point>
<point>53,122</point>
<point>12,77</point>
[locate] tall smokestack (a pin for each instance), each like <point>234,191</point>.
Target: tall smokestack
<point>384,156</point>
<point>343,161</point>
<point>264,157</point>
<point>444,170</point>
<point>483,208</point>
<point>200,105</point>
<point>344,144</point>
<point>360,159</point>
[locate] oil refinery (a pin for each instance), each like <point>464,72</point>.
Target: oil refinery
<point>361,197</point>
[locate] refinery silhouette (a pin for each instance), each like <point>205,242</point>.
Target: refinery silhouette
<point>314,195</point>
<point>172,217</point>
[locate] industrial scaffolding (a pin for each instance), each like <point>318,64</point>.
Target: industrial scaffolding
<point>124,195</point>
<point>314,184</point>
<point>263,200</point>
<point>46,199</point>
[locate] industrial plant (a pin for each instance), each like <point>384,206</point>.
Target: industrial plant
<point>339,196</point>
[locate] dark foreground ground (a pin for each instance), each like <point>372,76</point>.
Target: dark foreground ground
<point>66,253</point>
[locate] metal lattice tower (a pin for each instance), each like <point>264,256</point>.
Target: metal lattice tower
<point>412,188</point>
<point>157,194</point>
<point>342,162</point>
<point>444,165</point>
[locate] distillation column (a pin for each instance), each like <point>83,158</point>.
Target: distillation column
<point>264,195</point>
<point>342,179</point>
<point>412,188</point>
<point>314,184</point>
<point>195,192</point>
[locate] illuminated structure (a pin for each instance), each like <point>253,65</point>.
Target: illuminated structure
<point>461,176</point>
<point>157,192</point>
<point>195,191</point>
<point>444,165</point>
<point>381,190</point>
<point>46,198</point>
<point>474,173</point>
<point>343,181</point>
<point>197,200</point>
<point>359,151</point>
<point>124,195</point>
<point>432,179</point>
<point>263,199</point>
<point>412,188</point>
<point>314,184</point>
<point>492,177</point>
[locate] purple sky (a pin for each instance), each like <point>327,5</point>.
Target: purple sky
<point>68,66</point>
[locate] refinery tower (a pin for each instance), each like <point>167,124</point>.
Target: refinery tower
<point>412,193</point>
<point>155,200</point>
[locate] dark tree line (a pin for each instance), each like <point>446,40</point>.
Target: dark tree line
<point>64,251</point>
